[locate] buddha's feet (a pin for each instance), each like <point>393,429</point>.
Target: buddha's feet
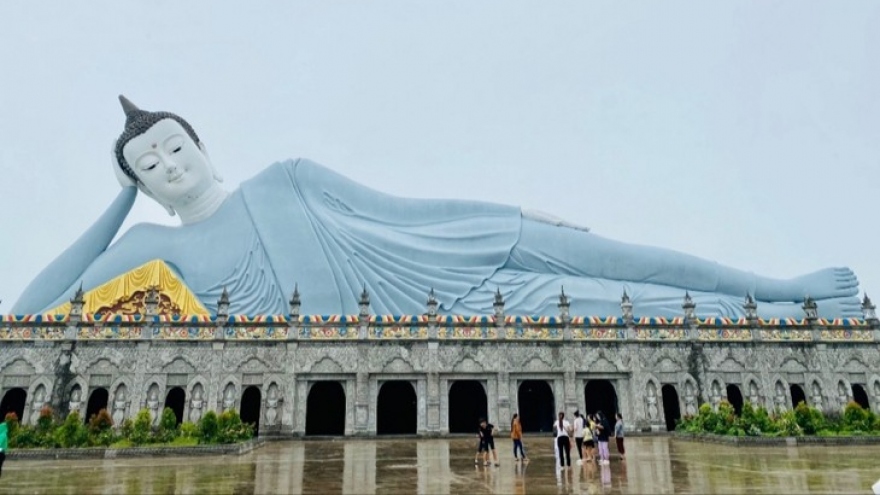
<point>823,284</point>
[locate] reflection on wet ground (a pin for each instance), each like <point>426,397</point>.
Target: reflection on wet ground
<point>653,465</point>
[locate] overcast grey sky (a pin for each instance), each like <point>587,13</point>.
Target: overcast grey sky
<point>743,132</point>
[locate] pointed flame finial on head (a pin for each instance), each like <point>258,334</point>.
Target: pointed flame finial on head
<point>127,106</point>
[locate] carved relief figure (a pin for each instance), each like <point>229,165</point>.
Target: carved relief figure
<point>780,400</point>
<point>75,399</point>
<point>842,393</point>
<point>754,394</point>
<point>153,403</point>
<point>120,404</point>
<point>651,401</point>
<point>715,395</point>
<point>467,249</point>
<point>229,397</point>
<point>818,400</point>
<point>690,399</point>
<point>38,403</point>
<point>272,403</point>
<point>196,404</point>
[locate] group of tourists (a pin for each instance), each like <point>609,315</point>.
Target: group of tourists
<point>591,434</point>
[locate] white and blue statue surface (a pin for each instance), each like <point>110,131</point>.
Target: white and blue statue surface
<point>298,222</point>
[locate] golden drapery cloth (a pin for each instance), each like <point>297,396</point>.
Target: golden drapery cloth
<point>125,294</point>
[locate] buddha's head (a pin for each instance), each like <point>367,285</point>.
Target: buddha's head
<point>161,154</point>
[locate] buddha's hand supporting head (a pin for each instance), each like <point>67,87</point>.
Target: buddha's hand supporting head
<point>161,154</point>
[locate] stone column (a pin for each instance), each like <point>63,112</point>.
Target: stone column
<point>626,309</point>
<point>569,386</point>
<point>364,314</point>
<point>362,402</point>
<point>564,317</point>
<point>690,319</point>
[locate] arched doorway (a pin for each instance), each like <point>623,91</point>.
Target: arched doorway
<point>251,400</point>
<point>671,407</point>
<point>860,396</point>
<point>13,401</point>
<point>98,400</point>
<point>797,394</point>
<point>735,397</point>
<point>325,409</point>
<point>537,408</point>
<point>601,396</point>
<point>467,404</point>
<point>176,400</point>
<point>396,410</point>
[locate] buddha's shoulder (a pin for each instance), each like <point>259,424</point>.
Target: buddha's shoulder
<point>298,169</point>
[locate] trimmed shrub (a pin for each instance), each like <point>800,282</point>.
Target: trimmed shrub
<point>100,422</point>
<point>209,427</point>
<point>142,432</point>
<point>167,425</point>
<point>809,419</point>
<point>72,432</point>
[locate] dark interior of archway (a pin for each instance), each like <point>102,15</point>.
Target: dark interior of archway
<point>13,401</point>
<point>536,406</point>
<point>601,396</point>
<point>250,407</point>
<point>735,397</point>
<point>325,409</point>
<point>97,401</point>
<point>671,408</point>
<point>396,409</point>
<point>467,404</point>
<point>797,395</point>
<point>175,400</point>
<point>860,396</point>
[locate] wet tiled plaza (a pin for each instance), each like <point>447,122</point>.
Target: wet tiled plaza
<point>653,465</point>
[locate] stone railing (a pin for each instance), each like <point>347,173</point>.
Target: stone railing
<point>436,327</point>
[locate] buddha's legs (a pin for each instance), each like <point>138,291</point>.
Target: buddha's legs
<point>544,248</point>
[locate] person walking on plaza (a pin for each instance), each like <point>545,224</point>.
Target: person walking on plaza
<point>516,436</point>
<point>487,442</point>
<point>618,435</point>
<point>563,429</point>
<point>579,436</point>
<point>590,438</point>
<point>4,443</point>
<point>603,433</point>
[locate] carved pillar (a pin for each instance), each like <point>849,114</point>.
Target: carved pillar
<point>498,307</point>
<point>151,312</point>
<point>869,312</point>
<point>293,314</point>
<point>751,309</point>
<point>690,318</point>
<point>75,315</point>
<point>811,312</point>
<point>364,314</point>
<point>564,317</point>
<point>433,317</point>
<point>626,309</point>
<point>222,316</point>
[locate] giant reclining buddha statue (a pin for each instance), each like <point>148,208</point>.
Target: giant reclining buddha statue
<point>299,223</point>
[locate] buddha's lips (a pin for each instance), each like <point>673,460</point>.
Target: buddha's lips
<point>176,178</point>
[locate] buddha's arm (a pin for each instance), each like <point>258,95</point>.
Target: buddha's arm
<point>67,268</point>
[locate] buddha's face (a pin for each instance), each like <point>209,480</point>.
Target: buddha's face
<point>169,163</point>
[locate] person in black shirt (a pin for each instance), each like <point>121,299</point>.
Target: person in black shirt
<point>603,434</point>
<point>487,442</point>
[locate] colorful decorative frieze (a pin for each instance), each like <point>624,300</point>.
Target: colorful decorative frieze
<point>785,334</point>
<point>661,333</point>
<point>720,334</point>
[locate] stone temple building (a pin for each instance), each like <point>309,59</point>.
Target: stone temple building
<point>427,374</point>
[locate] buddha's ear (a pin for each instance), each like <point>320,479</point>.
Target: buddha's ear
<point>214,172</point>
<point>124,180</point>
